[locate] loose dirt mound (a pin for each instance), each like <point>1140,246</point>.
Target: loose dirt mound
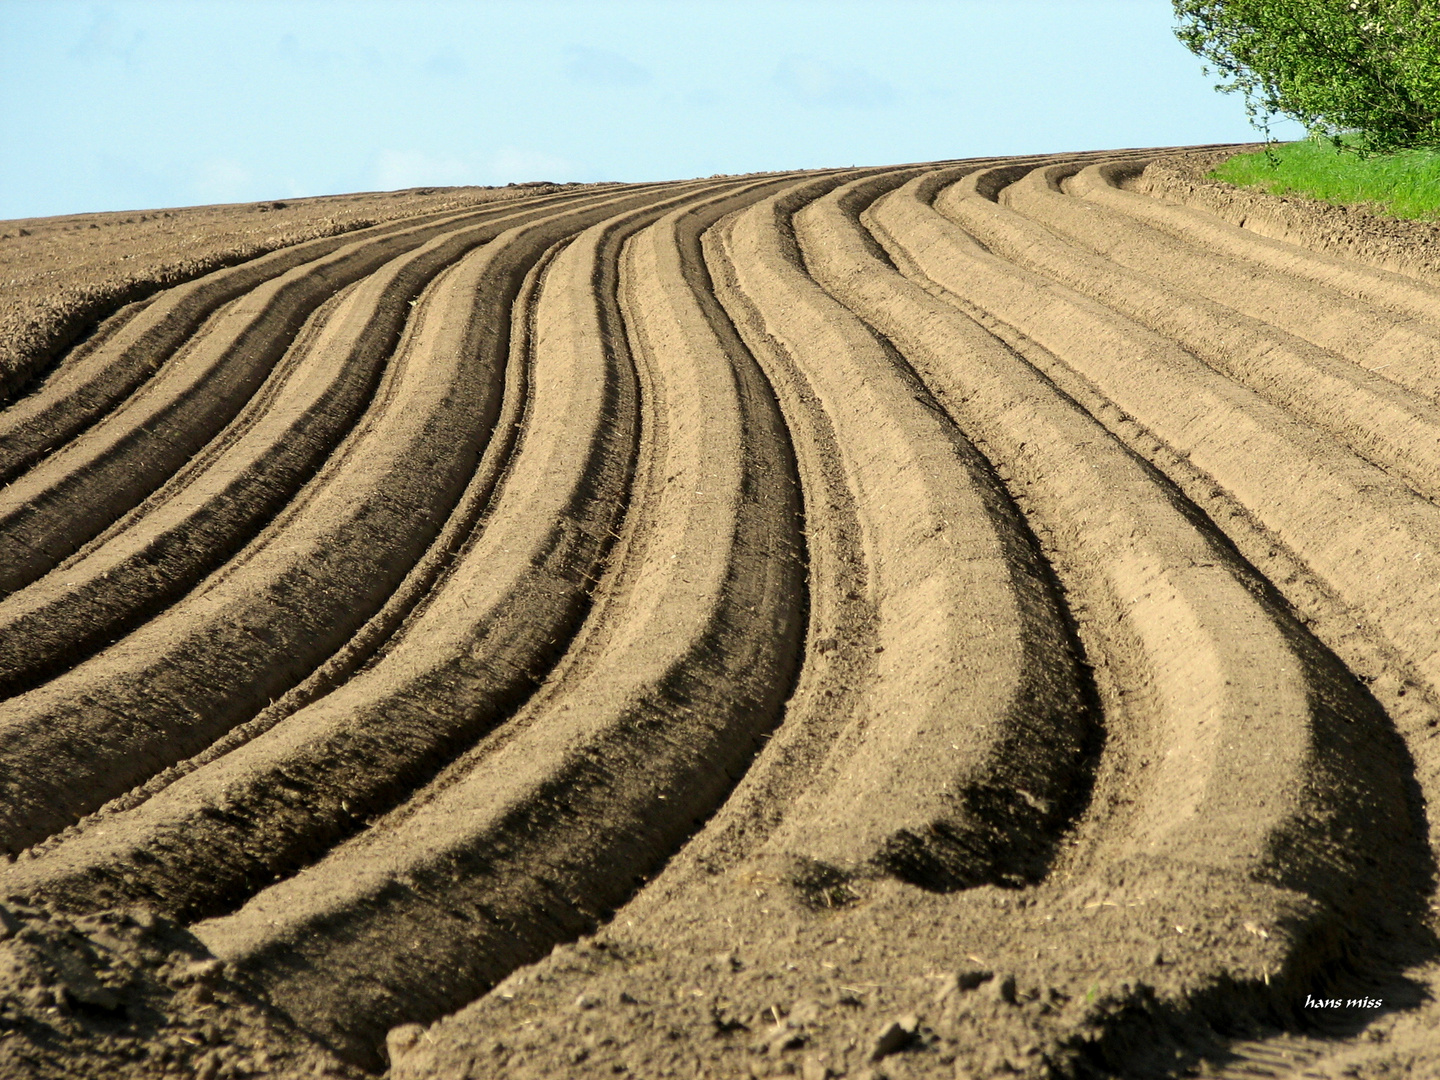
<point>959,620</point>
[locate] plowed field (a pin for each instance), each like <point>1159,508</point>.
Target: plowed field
<point>957,620</point>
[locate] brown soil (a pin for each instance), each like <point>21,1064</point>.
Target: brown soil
<point>1358,233</point>
<point>958,620</point>
<point>63,275</point>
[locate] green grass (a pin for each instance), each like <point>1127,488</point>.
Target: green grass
<point>1405,184</point>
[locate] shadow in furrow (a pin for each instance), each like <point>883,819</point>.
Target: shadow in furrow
<point>218,832</point>
<point>1304,797</point>
<point>205,514</point>
<point>52,510</point>
<point>130,346</point>
<point>975,734</point>
<point>672,684</point>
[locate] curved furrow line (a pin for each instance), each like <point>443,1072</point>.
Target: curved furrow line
<point>1232,698</point>
<point>297,592</point>
<point>682,667</point>
<point>1105,184</point>
<point>51,510</point>
<point>213,506</point>
<point>85,887</point>
<point>1266,766</point>
<point>1301,485</point>
<point>1319,234</point>
<point>841,638</point>
<point>967,751</point>
<point>967,591</point>
<point>1381,421</point>
<point>1405,348</point>
<point>473,648</point>
<point>132,345</point>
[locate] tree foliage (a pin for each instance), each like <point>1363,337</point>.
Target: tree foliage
<point>1371,67</point>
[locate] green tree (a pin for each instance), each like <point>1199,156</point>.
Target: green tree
<point>1368,67</point>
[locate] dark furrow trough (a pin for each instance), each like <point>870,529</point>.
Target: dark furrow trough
<point>967,619</point>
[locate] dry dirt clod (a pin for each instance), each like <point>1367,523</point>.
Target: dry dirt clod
<point>896,1035</point>
<point>726,1021</point>
<point>199,994</point>
<point>966,979</point>
<point>9,924</point>
<point>401,1040</point>
<point>1002,988</point>
<point>805,1011</point>
<point>201,971</point>
<point>782,1037</point>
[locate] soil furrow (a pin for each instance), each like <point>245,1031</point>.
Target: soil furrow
<point>945,779</point>
<point>1405,348</point>
<point>1381,421</point>
<point>639,735</point>
<point>1373,244</point>
<point>132,345</point>
<point>1300,484</point>
<point>1240,703</point>
<point>743,958</point>
<point>368,645</point>
<point>50,511</point>
<point>474,647</point>
<point>1111,185</point>
<point>958,619</point>
<point>209,510</point>
<point>296,593</point>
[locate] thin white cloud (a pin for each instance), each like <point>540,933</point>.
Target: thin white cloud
<point>601,67</point>
<point>221,180</point>
<point>447,64</point>
<point>302,55</point>
<point>812,82</point>
<point>106,39</point>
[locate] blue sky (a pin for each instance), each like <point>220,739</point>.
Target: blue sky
<point>151,103</point>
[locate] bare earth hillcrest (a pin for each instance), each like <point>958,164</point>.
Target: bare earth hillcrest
<point>974,619</point>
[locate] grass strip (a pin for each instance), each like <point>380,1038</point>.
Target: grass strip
<point>1404,184</point>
